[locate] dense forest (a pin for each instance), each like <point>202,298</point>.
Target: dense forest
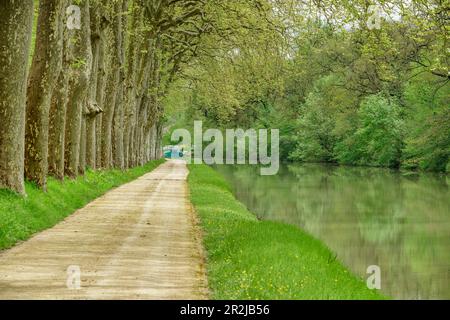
<point>348,82</point>
<point>82,82</point>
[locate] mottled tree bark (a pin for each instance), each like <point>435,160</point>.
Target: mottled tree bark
<point>58,110</point>
<point>153,110</point>
<point>100,95</point>
<point>91,143</point>
<point>132,63</point>
<point>47,63</point>
<point>143,82</point>
<point>98,138</point>
<point>152,138</point>
<point>82,159</point>
<point>118,159</point>
<point>15,40</point>
<point>112,87</point>
<point>159,136</point>
<point>57,126</point>
<point>93,106</point>
<point>78,90</point>
<point>119,112</point>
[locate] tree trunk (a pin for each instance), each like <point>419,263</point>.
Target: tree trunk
<point>159,137</point>
<point>112,86</point>
<point>58,126</point>
<point>91,142</point>
<point>15,41</point>
<point>133,54</point>
<point>118,131</point>
<point>94,107</point>
<point>79,82</point>
<point>100,95</point>
<point>82,160</point>
<point>152,135</point>
<point>47,63</point>
<point>98,138</point>
<point>119,113</point>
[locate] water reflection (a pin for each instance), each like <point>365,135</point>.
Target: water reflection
<point>367,216</point>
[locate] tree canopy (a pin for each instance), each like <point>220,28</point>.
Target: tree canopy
<point>95,83</point>
<point>354,82</point>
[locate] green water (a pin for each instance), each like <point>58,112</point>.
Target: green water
<point>398,222</point>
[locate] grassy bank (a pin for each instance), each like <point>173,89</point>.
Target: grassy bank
<point>251,259</point>
<point>21,217</point>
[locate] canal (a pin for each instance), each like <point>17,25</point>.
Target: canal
<point>367,216</point>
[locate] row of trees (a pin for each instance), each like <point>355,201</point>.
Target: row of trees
<point>92,95</point>
<point>341,84</point>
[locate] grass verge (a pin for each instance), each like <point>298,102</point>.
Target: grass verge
<point>21,217</point>
<point>251,259</point>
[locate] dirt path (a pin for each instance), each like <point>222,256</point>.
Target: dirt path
<point>139,241</point>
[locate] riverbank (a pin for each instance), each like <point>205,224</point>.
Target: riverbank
<point>251,259</point>
<point>404,170</point>
<point>21,217</point>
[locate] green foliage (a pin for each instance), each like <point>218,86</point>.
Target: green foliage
<point>322,83</point>
<point>251,259</point>
<point>315,136</point>
<point>429,146</point>
<point>275,117</point>
<point>428,140</point>
<point>21,217</point>
<point>378,139</point>
<point>78,63</point>
<point>322,118</point>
